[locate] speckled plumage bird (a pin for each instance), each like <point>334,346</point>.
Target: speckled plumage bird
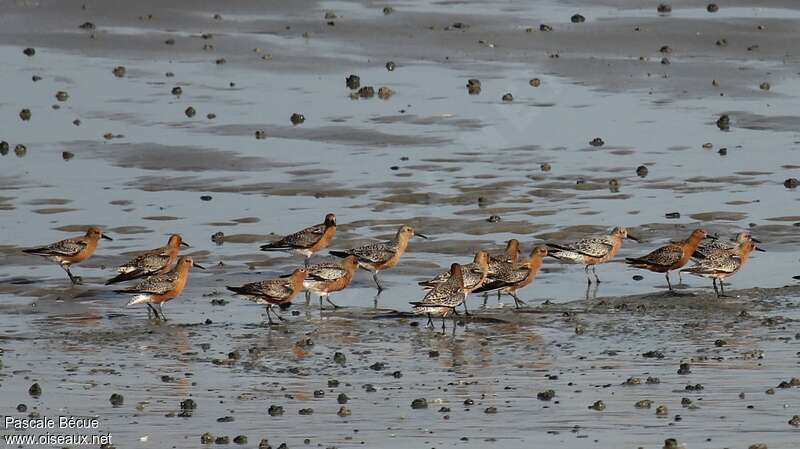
<point>443,299</point>
<point>307,241</point>
<point>510,255</point>
<point>510,278</point>
<point>157,289</point>
<point>156,261</point>
<point>721,263</point>
<point>70,251</point>
<point>670,257</point>
<point>474,275</point>
<point>706,247</point>
<point>379,256</point>
<point>273,292</point>
<point>330,277</point>
<point>591,251</point>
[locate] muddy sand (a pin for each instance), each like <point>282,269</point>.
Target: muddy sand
<point>149,118</point>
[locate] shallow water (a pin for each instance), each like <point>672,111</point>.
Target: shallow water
<point>425,156</point>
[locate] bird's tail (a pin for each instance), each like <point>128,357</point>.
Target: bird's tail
<point>274,247</point>
<point>42,251</point>
<point>237,290</point>
<point>491,286</point>
<point>122,277</point>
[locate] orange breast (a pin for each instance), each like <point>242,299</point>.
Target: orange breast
<point>91,246</point>
<point>325,240</point>
<point>535,265</point>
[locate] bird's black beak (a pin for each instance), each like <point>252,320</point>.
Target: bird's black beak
<point>712,237</point>
<point>759,249</point>
<point>421,235</point>
<point>755,240</point>
<point>185,244</point>
<point>106,237</point>
<point>635,239</point>
<point>195,264</point>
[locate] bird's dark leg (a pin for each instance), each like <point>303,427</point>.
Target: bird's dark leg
<point>485,298</point>
<point>269,316</point>
<point>517,301</point>
<point>443,326</point>
<point>668,283</point>
<point>76,280</point>
<point>430,321</point>
<point>308,297</point>
<point>161,311</point>
<point>377,281</point>
<point>498,295</point>
<point>680,278</point>
<point>150,311</point>
<point>714,283</point>
<point>722,288</point>
<point>588,278</point>
<point>594,272</point>
<point>328,298</point>
<point>466,310</point>
<point>305,261</point>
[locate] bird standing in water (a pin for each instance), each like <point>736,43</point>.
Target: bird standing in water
<point>70,251</point>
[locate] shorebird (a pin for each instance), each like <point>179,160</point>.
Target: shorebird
<point>273,292</point>
<point>379,256</point>
<point>156,261</point>
<point>160,288</point>
<point>308,241</point>
<point>721,263</point>
<point>474,275</point>
<point>706,247</point>
<point>71,251</point>
<point>511,277</point>
<point>670,257</point>
<point>591,251</point>
<point>443,299</point>
<point>510,255</point>
<point>329,277</point>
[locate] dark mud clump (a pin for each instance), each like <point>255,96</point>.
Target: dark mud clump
<point>119,71</point>
<point>353,82</point>
<point>474,86</point>
<point>25,114</point>
<point>29,51</point>
<point>508,97</point>
<point>791,183</point>
<point>297,119</point>
<point>190,112</point>
<point>724,122</point>
<point>577,18</point>
<point>664,8</point>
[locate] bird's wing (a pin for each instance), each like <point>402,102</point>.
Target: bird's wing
<point>594,246</point>
<point>375,252</point>
<point>156,285</point>
<point>302,238</point>
<point>148,262</point>
<point>67,247</point>
<point>327,271</point>
<point>274,288</point>
<point>666,255</point>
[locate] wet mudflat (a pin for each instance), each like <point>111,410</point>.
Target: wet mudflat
<point>627,88</point>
